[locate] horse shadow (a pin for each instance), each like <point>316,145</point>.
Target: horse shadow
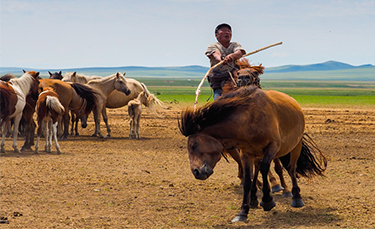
<point>289,218</point>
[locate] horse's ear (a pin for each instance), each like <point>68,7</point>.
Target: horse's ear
<point>60,73</point>
<point>124,73</point>
<point>74,73</point>
<point>36,75</point>
<point>23,70</point>
<point>50,74</point>
<point>118,74</point>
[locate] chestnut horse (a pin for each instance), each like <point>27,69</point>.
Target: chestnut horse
<point>48,110</point>
<point>73,96</point>
<point>249,75</point>
<point>264,125</point>
<point>13,106</point>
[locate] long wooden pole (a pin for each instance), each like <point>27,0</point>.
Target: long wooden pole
<point>220,63</point>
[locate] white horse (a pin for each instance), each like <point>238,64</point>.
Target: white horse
<point>117,99</point>
<point>135,111</point>
<point>104,86</point>
<point>21,87</point>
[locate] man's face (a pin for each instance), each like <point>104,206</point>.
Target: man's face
<point>224,35</point>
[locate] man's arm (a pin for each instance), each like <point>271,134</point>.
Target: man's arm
<point>234,56</point>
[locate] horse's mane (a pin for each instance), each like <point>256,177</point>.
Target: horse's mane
<point>103,79</point>
<point>80,78</point>
<point>244,63</point>
<point>24,82</point>
<point>192,122</point>
<point>7,77</point>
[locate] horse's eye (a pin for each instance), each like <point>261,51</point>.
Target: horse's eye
<point>194,145</point>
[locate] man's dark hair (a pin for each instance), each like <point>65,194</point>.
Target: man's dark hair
<point>221,26</point>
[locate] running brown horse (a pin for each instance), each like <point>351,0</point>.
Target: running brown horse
<point>13,106</point>
<point>73,96</point>
<point>264,125</point>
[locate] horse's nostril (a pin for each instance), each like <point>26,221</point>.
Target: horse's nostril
<point>196,172</point>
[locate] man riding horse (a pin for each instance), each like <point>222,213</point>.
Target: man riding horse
<point>223,50</point>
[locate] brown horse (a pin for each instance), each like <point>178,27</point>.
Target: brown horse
<point>73,96</point>
<point>13,106</point>
<point>246,76</point>
<point>48,110</point>
<point>27,124</point>
<point>264,125</point>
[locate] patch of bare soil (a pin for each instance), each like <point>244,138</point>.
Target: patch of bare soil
<point>128,183</point>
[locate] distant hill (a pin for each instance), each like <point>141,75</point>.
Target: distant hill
<point>330,70</point>
<point>326,66</point>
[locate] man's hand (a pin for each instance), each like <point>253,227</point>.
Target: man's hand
<point>234,56</point>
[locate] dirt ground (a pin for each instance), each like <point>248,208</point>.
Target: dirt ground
<point>128,183</point>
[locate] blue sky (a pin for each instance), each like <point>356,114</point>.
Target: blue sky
<point>112,33</point>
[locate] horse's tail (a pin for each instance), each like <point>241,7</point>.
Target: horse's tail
<point>5,95</point>
<point>152,100</point>
<point>311,161</point>
<point>88,94</point>
<point>54,104</point>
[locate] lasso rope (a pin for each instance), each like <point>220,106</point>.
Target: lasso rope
<point>220,63</point>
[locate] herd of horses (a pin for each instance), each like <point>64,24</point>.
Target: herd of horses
<point>254,126</point>
<point>52,99</point>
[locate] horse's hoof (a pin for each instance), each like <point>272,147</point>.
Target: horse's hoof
<point>254,203</point>
<point>287,194</point>
<point>277,188</point>
<point>268,206</point>
<point>239,218</point>
<point>297,203</point>
<point>17,151</point>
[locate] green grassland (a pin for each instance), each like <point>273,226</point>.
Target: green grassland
<point>335,94</point>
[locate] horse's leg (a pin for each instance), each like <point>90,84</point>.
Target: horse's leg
<point>97,111</point>
<point>73,119</point>
<point>105,119</point>
<point>29,138</point>
<point>270,152</point>
<point>54,132</point>
<point>131,121</point>
<point>66,118</point>
<point>38,133</point>
<point>138,121</point>
<point>247,163</point>
<point>4,131</point>
<point>276,187</point>
<point>294,155</point>
<point>47,147</point>
<point>279,171</point>
<point>17,120</point>
<point>60,127</point>
<point>254,188</point>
